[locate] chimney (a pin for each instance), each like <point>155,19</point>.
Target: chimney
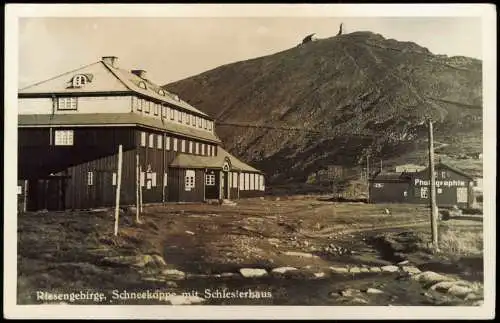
<point>110,60</point>
<point>140,73</point>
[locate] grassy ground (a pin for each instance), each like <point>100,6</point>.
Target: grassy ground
<point>65,251</point>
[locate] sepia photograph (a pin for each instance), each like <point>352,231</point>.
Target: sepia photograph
<point>254,161</point>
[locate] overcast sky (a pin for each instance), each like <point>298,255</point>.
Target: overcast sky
<point>171,49</point>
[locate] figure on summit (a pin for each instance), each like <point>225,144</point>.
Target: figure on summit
<point>340,30</point>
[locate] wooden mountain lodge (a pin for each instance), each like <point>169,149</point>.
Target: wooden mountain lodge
<point>70,127</point>
<point>453,187</point>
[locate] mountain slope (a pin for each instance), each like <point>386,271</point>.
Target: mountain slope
<point>355,94</point>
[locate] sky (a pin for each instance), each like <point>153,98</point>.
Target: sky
<point>173,48</point>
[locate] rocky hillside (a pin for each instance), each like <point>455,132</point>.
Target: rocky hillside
<point>333,101</point>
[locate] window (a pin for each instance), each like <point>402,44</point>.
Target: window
<point>79,80</point>
<point>405,193</point>
<point>251,178</point>
<point>189,179</point>
<point>378,185</point>
<point>190,147</point>
<point>149,180</point>
<point>142,85</point>
<point>114,179</point>
<point>235,180</point>
<point>262,187</point>
<point>63,138</point>
<point>197,148</point>
<point>90,178</point>
<point>199,122</point>
<point>242,181</point>
<point>171,113</point>
<point>255,182</point>
<point>210,179</point>
<point>188,119</point>
<point>160,142</point>
<point>163,111</point>
<point>444,174</point>
<point>153,179</point>
<point>183,114</point>
<point>183,145</point>
<point>143,139</point>
<point>247,181</point>
<point>204,123</point>
<point>167,143</point>
<point>424,192</point>
<point>151,141</point>
<point>156,108</point>
<point>461,194</point>
<point>175,144</point>
<point>140,104</point>
<point>439,190</point>
<point>214,150</point>
<point>161,92</point>
<point>210,125</point>
<point>202,149</point>
<point>179,116</point>
<point>209,150</point>
<point>147,107</point>
<point>193,120</point>
<point>142,177</point>
<point>68,103</point>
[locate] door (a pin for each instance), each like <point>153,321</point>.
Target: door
<point>225,185</point>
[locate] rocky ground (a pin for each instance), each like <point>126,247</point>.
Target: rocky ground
<point>295,251</point>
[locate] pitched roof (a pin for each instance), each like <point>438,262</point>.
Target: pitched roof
<point>106,78</point>
<point>390,176</point>
<point>453,169</point>
<point>117,119</point>
<point>193,161</point>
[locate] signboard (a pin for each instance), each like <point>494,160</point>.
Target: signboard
<point>450,183</point>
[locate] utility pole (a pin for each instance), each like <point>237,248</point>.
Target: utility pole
<point>137,188</point>
<point>432,180</point>
<point>368,177</point>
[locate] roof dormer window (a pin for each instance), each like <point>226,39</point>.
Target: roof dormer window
<point>142,85</point>
<point>161,92</point>
<point>79,80</point>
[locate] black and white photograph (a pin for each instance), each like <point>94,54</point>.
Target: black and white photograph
<point>254,161</point>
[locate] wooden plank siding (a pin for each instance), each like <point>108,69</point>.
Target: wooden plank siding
<point>64,170</point>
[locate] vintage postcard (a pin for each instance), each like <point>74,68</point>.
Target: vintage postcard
<point>303,161</point>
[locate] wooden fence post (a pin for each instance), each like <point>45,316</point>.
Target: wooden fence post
<point>118,186</point>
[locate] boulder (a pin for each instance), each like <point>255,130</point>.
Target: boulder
<point>173,274</point>
<point>227,275</point>
<point>459,290</point>
<point>374,291</point>
<point>375,269</point>
<point>411,270</point>
<point>359,300</point>
<point>364,270</point>
<point>389,269</point>
<point>319,275</point>
<point>252,272</point>
<point>349,292</point>
<point>354,270</point>
<point>282,270</point>
<point>159,261</point>
<point>430,278</point>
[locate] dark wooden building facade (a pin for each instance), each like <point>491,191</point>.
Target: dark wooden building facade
<point>70,128</point>
<point>453,187</point>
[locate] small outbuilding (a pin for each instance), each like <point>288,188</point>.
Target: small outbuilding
<point>453,187</point>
